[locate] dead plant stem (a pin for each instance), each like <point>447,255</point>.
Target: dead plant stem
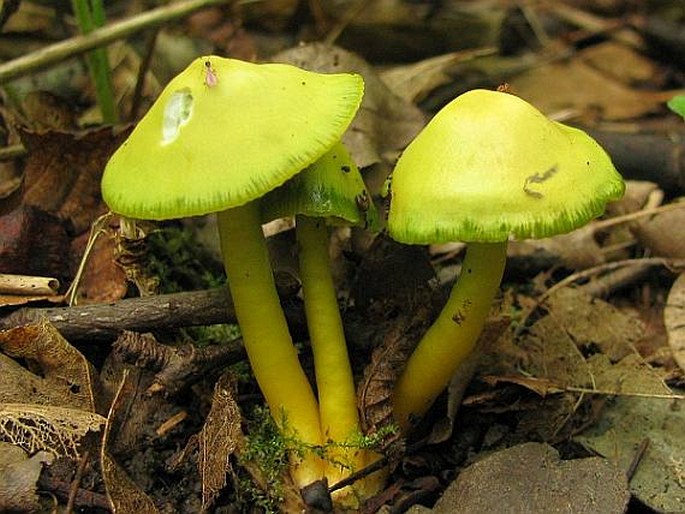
<point>76,45</point>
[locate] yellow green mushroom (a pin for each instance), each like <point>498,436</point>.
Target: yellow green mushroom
<point>487,168</point>
<point>329,192</point>
<point>221,135</point>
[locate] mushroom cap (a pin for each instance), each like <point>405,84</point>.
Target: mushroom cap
<point>224,132</point>
<point>489,167</point>
<point>332,188</point>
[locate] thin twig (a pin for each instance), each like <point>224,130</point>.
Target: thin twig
<point>76,483</point>
<point>58,52</point>
<point>632,216</point>
<point>637,458</point>
<point>605,392</point>
<point>150,45</point>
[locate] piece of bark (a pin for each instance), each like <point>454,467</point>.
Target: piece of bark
<point>104,322</point>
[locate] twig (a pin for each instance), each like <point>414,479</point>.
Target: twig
<point>28,285</point>
<point>76,483</point>
<point>171,423</point>
<point>632,216</point>
<point>98,322</point>
<point>57,52</point>
<point>604,392</point>
<point>149,51</point>
<point>637,458</point>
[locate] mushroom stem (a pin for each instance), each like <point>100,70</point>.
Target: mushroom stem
<point>337,396</point>
<point>266,337</point>
<point>453,335</point>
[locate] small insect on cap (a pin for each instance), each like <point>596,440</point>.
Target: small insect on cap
<point>489,166</point>
<point>224,132</point>
<point>331,188</point>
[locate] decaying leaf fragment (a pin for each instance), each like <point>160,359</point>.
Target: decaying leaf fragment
<point>64,169</point>
<point>50,407</point>
<point>220,438</point>
<point>674,319</point>
<point>57,430</point>
<point>66,376</point>
<point>124,496</point>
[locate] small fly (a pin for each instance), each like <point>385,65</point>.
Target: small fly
<point>211,80</point>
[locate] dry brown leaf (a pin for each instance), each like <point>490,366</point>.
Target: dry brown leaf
<point>674,319</point>
<point>657,233</point>
<point>415,81</point>
<point>553,355</point>
<point>136,408</point>
<point>57,430</point>
<point>63,172</point>
<point>620,63</point>
<point>387,361</point>
<point>103,279</point>
<point>594,325</point>
<point>385,123</point>
<point>124,496</point>
<point>220,438</point>
<point>34,242</point>
<point>630,375</point>
<point>540,386</point>
<point>554,87</point>
<point>67,378</point>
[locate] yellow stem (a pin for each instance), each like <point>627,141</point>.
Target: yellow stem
<point>266,337</point>
<point>335,382</point>
<point>453,335</point>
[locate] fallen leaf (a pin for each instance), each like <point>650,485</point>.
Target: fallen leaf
<point>124,495</point>
<point>659,480</point>
<point>62,375</point>
<point>593,325</point>
<point>221,437</point>
<point>656,233</point>
<point>103,279</point>
<point>57,430</point>
<point>415,81</point>
<point>601,96</point>
<point>63,172</point>
<point>674,319</point>
<point>34,242</point>
<point>621,63</point>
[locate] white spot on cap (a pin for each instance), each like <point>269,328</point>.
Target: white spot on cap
<point>177,112</point>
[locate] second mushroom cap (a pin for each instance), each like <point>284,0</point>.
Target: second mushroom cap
<point>489,166</point>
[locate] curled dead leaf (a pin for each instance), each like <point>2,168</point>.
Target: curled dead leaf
<point>674,319</point>
<point>63,376</point>
<point>656,233</point>
<point>221,437</point>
